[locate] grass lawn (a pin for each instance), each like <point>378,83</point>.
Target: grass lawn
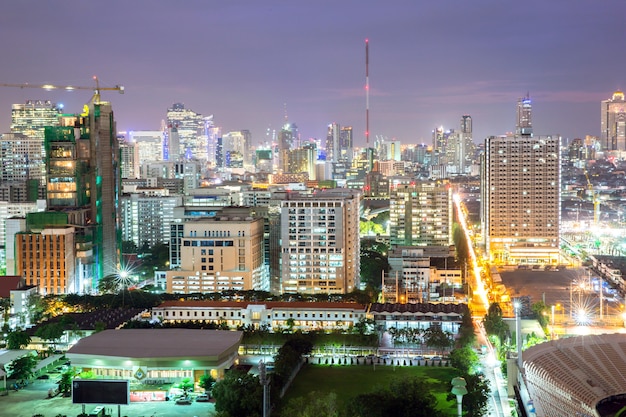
<point>349,381</point>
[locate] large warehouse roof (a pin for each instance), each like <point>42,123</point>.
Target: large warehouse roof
<point>158,343</point>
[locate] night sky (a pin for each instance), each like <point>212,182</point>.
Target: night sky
<point>245,61</point>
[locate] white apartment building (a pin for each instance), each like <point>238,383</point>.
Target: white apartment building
<point>320,245</point>
<point>147,216</point>
<point>420,214</point>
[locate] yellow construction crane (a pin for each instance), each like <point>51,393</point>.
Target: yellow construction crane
<point>595,199</point>
<point>49,87</point>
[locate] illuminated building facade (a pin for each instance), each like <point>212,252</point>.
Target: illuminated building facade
<point>191,130</point>
<point>46,259</point>
<point>220,253</point>
<point>420,214</point>
<point>149,144</point>
<point>147,218</point>
<point>21,159</point>
<point>320,241</point>
<point>613,123</point>
<point>524,122</point>
<point>521,186</point>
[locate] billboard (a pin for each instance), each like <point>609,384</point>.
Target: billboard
<point>100,391</point>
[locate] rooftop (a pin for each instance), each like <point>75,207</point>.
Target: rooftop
<point>157,343</point>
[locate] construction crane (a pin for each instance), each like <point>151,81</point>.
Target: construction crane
<point>49,87</point>
<point>595,199</point>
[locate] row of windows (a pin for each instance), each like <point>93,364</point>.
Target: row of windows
<point>208,243</point>
<point>254,315</point>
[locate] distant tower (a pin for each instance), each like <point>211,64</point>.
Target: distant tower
<point>613,123</point>
<point>524,124</point>
<point>369,151</point>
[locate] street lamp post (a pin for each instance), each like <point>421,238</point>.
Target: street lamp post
<point>518,333</point>
<point>459,388</point>
<point>264,381</point>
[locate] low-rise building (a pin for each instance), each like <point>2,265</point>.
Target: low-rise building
<point>445,316</point>
<point>272,315</point>
<point>144,356</point>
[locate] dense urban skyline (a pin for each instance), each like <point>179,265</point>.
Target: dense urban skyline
<point>246,62</point>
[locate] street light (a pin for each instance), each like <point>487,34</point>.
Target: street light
<point>518,332</point>
<point>459,388</point>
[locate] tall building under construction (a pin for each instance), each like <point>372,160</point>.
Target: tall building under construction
<point>82,169</point>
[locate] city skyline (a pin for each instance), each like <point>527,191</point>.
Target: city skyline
<point>249,64</point>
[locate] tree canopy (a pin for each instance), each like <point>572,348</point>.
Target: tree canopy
<point>239,394</point>
<point>405,397</point>
<point>17,339</point>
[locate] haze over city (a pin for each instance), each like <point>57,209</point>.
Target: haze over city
<point>246,62</point>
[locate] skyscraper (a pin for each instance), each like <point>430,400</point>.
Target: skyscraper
<point>32,117</point>
<point>191,132</point>
<point>524,123</point>
<point>613,123</point>
<point>82,163</point>
<point>521,185</point>
<point>21,158</point>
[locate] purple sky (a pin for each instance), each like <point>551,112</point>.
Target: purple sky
<point>430,61</point>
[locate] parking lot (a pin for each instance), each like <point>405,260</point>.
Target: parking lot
<point>33,399</point>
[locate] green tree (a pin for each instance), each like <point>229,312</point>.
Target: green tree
<point>129,246</point>
<point>405,397</point>
<point>51,332</point>
<point>239,394</point>
<point>22,368</point>
<point>17,339</point>
<point>65,383</point>
<point>467,335</point>
<point>290,324</point>
<point>437,338</point>
<point>493,322</point>
<point>315,404</point>
<point>99,326</point>
<point>464,359</point>
<point>477,397</point>
<point>206,382</point>
<point>372,266</point>
<point>186,384</point>
<point>540,313</point>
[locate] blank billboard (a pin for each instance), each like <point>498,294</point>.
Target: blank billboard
<point>92,391</point>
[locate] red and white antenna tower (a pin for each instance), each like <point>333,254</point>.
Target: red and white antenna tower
<point>367,94</point>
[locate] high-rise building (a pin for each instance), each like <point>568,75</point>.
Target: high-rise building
<point>320,241</point>
<point>192,132</point>
<point>32,117</point>
<point>21,158</point>
<point>523,121</point>
<point>129,159</point>
<point>46,259</point>
<point>149,144</point>
<point>220,253</point>
<point>520,188</point>
<point>82,164</point>
<point>613,123</point>
<point>420,214</point>
<point>333,142</point>
<point>236,149</point>
<point>147,215</point>
<point>287,140</point>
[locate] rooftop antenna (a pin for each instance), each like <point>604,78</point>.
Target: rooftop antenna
<point>285,109</point>
<point>367,94</point>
